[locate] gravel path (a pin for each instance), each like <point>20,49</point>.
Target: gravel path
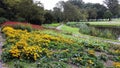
<point>1,44</point>
<point>59,27</point>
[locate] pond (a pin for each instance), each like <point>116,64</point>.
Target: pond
<point>109,32</point>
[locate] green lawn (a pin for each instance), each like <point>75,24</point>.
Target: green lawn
<point>70,29</point>
<point>105,24</point>
<point>51,25</point>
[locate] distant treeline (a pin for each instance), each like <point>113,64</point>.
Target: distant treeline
<point>71,10</point>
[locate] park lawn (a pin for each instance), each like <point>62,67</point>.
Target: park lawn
<point>53,25</point>
<point>105,24</point>
<point>66,28</point>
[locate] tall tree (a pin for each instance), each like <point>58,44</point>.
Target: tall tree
<point>58,14</point>
<point>108,15</point>
<point>113,6</point>
<point>78,3</point>
<point>71,12</point>
<point>48,17</point>
<point>100,9</point>
<point>91,10</point>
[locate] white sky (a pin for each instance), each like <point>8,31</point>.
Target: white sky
<point>49,4</point>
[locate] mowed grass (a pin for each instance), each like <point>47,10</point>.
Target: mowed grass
<point>105,24</point>
<point>51,25</point>
<point>113,23</point>
<point>55,24</point>
<point>70,29</point>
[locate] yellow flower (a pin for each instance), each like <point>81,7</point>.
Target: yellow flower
<point>116,64</point>
<point>90,62</point>
<point>91,52</point>
<point>32,44</point>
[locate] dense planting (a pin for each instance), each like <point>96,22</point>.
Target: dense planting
<point>48,48</point>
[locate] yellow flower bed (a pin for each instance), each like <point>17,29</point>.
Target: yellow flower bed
<point>30,45</point>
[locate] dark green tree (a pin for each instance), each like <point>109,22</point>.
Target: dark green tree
<point>48,17</point>
<point>113,6</point>
<point>58,14</point>
<point>108,15</point>
<point>78,3</point>
<point>100,9</point>
<point>14,9</point>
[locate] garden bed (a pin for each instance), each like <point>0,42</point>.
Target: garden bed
<point>51,49</point>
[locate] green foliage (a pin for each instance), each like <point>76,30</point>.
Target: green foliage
<point>86,28</point>
<point>52,65</point>
<point>2,20</point>
<point>23,27</point>
<point>103,57</point>
<point>113,6</point>
<point>21,19</point>
<point>65,55</point>
<point>23,10</point>
<point>108,15</point>
<point>83,28</point>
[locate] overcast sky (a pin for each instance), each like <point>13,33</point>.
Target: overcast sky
<point>49,4</point>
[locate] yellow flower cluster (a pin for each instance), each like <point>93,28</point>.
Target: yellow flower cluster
<point>79,59</point>
<point>90,62</point>
<point>22,49</point>
<point>117,51</point>
<point>31,44</point>
<point>116,64</point>
<point>91,52</point>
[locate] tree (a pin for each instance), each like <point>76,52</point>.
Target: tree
<point>48,17</point>
<point>108,15</point>
<point>30,11</point>
<point>95,10</point>
<point>58,14</point>
<point>91,10</point>
<point>100,9</point>
<point>72,12</point>
<point>113,6</point>
<point>14,9</point>
<point>78,3</point>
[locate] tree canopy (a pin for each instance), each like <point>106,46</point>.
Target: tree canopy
<point>71,10</point>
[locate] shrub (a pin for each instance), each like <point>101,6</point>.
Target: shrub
<point>20,26</point>
<point>21,19</point>
<point>23,27</point>
<point>2,20</point>
<point>84,28</point>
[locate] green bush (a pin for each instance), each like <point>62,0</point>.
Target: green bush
<point>21,19</point>
<point>23,27</point>
<point>84,28</point>
<point>2,20</point>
